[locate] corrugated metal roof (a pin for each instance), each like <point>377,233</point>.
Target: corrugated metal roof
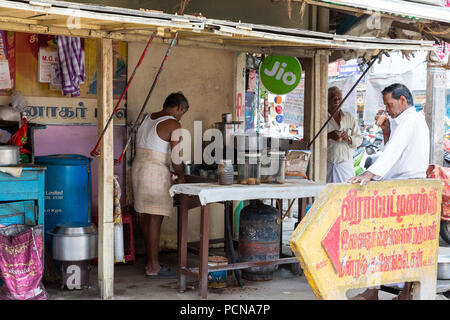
<point>66,18</point>
<point>403,9</point>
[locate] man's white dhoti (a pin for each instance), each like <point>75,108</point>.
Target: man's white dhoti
<point>340,172</point>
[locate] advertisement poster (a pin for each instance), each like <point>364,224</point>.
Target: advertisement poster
<point>46,102</point>
<point>47,57</point>
<point>294,105</point>
<point>11,44</point>
<point>249,110</point>
<point>280,74</point>
<point>5,77</point>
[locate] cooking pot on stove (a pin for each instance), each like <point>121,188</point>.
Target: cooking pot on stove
<point>74,241</point>
<point>9,155</point>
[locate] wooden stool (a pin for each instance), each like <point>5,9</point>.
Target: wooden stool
<point>127,219</point>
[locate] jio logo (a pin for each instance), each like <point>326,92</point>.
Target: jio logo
<point>280,74</point>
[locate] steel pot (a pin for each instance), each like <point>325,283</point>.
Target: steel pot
<point>227,117</point>
<point>443,267</point>
<point>9,155</point>
<point>74,242</point>
<point>9,114</point>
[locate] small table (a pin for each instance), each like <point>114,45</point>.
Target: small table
<point>22,199</point>
<point>194,195</point>
<point>29,186</point>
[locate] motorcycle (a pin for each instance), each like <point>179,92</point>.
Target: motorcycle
<point>357,158</point>
<point>366,153</point>
<point>443,173</point>
<point>446,151</point>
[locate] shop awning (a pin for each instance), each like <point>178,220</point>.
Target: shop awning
<point>397,8</point>
<point>93,21</point>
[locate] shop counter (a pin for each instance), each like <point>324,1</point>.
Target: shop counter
<point>192,195</point>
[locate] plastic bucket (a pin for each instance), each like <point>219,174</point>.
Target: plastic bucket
<point>217,279</point>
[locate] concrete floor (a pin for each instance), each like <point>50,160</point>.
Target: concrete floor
<point>131,284</point>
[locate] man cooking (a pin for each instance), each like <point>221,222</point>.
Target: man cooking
<point>405,153</point>
<point>344,136</point>
<point>152,178</point>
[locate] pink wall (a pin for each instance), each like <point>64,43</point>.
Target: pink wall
<point>81,140</point>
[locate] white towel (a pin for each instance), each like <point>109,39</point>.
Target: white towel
<point>16,172</point>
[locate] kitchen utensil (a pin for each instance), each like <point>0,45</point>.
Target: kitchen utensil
<point>9,114</point>
<point>443,267</point>
<point>249,171</point>
<point>225,172</point>
<point>274,170</point>
<point>227,117</point>
<point>74,242</point>
<point>9,155</point>
<point>187,166</point>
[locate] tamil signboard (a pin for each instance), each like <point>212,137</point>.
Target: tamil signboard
<point>347,70</point>
<point>442,51</point>
<point>333,69</point>
<point>59,111</point>
<point>294,105</point>
<point>362,236</point>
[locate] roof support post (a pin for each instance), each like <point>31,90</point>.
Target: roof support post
<point>317,88</point>
<point>239,86</point>
<point>435,111</point>
<point>105,170</point>
<point>323,19</point>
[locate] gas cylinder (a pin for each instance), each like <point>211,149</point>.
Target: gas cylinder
<point>259,239</point>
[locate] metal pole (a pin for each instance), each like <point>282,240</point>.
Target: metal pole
<point>346,96</point>
<point>95,152</point>
<point>136,124</point>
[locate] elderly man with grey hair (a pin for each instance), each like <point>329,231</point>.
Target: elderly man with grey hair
<point>344,136</point>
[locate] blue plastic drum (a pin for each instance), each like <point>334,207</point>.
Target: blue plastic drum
<point>68,196</point>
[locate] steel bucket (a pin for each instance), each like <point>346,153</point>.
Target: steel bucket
<point>443,267</point>
<point>9,155</point>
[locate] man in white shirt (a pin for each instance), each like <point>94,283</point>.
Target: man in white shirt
<point>344,136</point>
<point>406,151</point>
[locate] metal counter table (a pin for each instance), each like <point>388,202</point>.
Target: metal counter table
<point>192,195</point>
